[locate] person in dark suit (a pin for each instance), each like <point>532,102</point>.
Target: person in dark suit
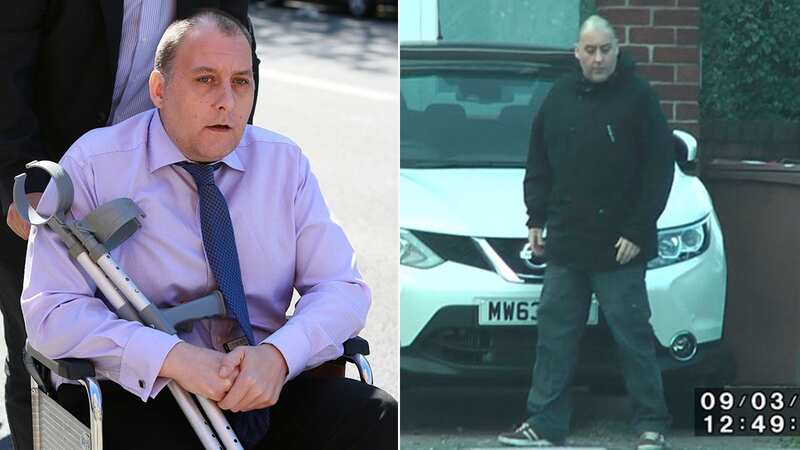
<point>68,66</point>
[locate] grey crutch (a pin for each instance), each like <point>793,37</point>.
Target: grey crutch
<point>89,242</point>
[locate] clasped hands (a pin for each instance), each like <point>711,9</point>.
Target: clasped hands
<point>247,378</point>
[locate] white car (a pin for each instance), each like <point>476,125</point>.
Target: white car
<point>469,286</point>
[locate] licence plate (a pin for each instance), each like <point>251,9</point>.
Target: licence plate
<point>518,311</point>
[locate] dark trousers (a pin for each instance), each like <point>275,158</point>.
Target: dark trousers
<point>312,413</point>
<point>562,314</point>
<point>18,393</point>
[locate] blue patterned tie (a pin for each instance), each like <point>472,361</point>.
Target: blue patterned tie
<point>220,244</point>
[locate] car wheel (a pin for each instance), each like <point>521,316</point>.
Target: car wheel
<point>361,8</point>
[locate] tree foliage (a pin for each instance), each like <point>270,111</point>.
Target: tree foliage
<point>751,65</point>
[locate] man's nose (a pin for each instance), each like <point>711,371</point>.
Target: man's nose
<point>225,98</point>
<point>598,57</point>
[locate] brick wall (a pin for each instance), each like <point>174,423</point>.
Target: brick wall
<point>662,37</point>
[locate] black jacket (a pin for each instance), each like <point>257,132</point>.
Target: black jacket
<point>59,61</point>
<point>600,166</point>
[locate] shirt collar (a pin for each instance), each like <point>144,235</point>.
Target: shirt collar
<point>161,151</point>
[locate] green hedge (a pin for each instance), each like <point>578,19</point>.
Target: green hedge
<point>751,59</point>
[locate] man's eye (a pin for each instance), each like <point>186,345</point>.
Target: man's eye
<point>241,81</point>
<point>591,50</point>
<point>204,79</point>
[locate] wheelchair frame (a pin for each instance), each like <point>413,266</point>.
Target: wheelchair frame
<point>89,242</point>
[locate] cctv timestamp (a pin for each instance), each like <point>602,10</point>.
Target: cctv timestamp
<point>747,411</point>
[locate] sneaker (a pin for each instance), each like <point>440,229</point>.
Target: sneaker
<point>651,440</point>
<point>523,436</point>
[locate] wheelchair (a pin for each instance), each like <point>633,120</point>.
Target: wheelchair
<point>89,242</point>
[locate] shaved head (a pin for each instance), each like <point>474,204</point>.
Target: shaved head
<point>597,23</point>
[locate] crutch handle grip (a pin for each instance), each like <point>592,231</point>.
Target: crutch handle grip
<point>209,306</point>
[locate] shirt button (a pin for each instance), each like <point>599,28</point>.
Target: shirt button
<point>601,211</point>
<point>141,384</point>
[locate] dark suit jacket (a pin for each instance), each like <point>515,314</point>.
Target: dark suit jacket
<point>58,62</point>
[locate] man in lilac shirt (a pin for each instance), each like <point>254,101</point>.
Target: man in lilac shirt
<point>67,67</point>
<point>285,237</point>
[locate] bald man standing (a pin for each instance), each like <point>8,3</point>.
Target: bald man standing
<point>598,175</point>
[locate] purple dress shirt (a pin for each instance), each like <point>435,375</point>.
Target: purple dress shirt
<point>285,236</point>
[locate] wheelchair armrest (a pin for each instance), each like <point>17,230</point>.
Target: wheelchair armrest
<point>355,351</point>
<point>356,345</point>
<point>70,368</point>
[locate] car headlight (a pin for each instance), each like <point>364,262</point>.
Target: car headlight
<point>679,244</point>
<point>415,253</point>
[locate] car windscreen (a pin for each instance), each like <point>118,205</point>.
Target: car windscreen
<point>468,118</point>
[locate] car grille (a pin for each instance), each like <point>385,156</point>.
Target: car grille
<point>509,250</point>
<point>458,249</point>
<point>508,347</point>
<point>475,346</point>
<point>464,250</point>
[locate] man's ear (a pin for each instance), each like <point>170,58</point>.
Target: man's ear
<point>157,84</point>
<point>576,51</point>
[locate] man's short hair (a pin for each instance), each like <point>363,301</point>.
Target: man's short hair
<point>599,23</point>
<point>177,31</point>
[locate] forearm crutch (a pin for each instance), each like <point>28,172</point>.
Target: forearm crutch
<point>89,242</point>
